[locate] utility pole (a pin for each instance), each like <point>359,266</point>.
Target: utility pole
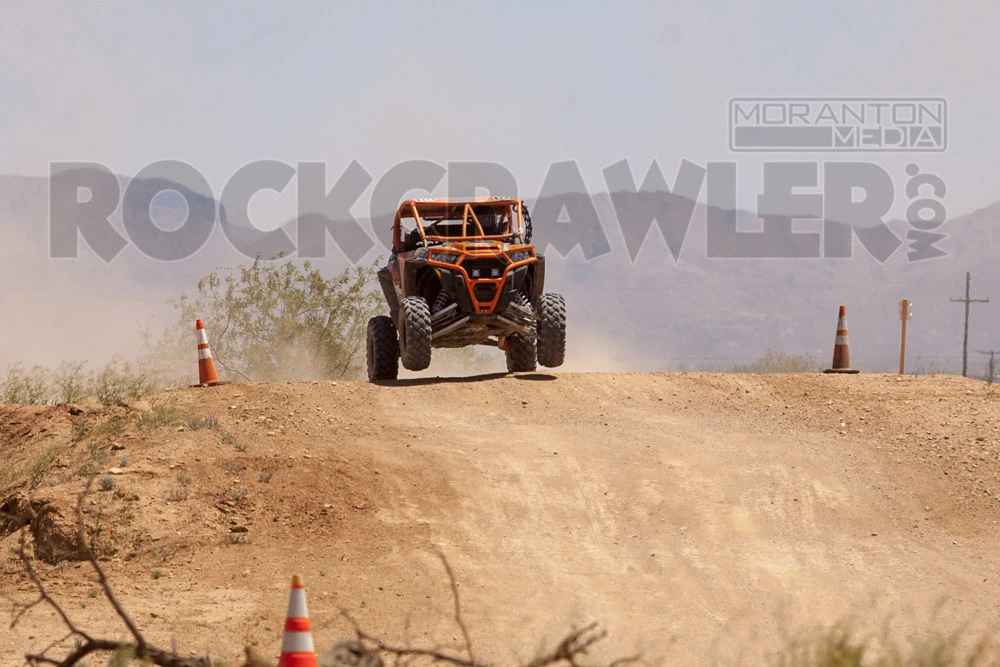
<point>905,313</point>
<point>965,339</point>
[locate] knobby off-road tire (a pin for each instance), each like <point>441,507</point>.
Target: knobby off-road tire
<point>551,310</point>
<point>382,349</point>
<point>415,333</point>
<point>520,353</point>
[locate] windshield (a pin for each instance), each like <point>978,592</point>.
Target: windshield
<point>478,220</point>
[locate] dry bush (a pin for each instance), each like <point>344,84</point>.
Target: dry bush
<point>119,381</point>
<point>27,387</point>
<point>198,423</point>
<point>779,362</point>
<point>844,645</point>
<point>178,494</point>
<point>72,383</point>
<point>162,415</point>
<point>278,320</point>
<point>922,366</point>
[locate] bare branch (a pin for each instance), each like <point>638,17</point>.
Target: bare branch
<point>230,369</point>
<point>575,644</point>
<point>86,648</point>
<point>101,576</point>
<point>626,660</point>
<point>153,654</point>
<point>458,606</point>
<point>43,595</point>
<point>85,643</point>
<point>57,642</point>
<point>568,651</point>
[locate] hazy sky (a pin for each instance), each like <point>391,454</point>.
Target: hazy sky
<point>224,83</point>
<point>221,84</point>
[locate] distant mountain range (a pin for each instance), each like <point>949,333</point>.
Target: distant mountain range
<point>651,314</point>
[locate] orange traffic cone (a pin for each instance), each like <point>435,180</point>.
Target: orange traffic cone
<point>841,349</point>
<point>297,644</point>
<point>206,367</point>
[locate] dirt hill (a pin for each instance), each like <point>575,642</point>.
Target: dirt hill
<point>701,517</point>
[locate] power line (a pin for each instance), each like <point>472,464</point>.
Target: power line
<point>881,303</point>
<point>745,286</point>
<point>750,357</point>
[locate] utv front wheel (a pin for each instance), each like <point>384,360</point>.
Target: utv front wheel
<point>415,333</point>
<point>382,349</point>
<point>551,310</point>
<point>520,353</point>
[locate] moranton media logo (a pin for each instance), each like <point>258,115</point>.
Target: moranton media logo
<point>838,124</point>
<point>854,195</point>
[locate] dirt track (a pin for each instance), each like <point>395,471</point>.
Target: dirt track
<point>701,517</point>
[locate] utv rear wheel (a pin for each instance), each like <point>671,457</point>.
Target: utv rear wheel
<point>520,353</point>
<point>382,349</point>
<point>415,333</point>
<point>551,310</point>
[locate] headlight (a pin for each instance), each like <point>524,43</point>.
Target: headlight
<point>519,255</point>
<point>445,257</point>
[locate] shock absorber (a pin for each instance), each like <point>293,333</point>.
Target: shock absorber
<point>441,301</point>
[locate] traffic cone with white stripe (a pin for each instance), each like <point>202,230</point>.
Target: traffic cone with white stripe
<point>206,367</point>
<point>297,644</point>
<point>841,349</point>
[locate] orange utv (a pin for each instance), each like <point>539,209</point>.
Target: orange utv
<point>464,272</point>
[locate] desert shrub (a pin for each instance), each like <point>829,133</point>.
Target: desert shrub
<point>72,384</point>
<point>12,476</point>
<point>922,366</point>
<point>238,496</point>
<point>28,387</point>
<point>837,646</point>
<point>844,645</point>
<point>120,380</point>
<point>198,423</point>
<point>168,413</point>
<point>779,362</point>
<point>990,372</point>
<point>319,321</point>
<point>41,464</point>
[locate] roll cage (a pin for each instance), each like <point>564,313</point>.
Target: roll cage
<point>448,220</point>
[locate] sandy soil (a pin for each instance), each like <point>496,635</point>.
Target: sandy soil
<point>701,518</point>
